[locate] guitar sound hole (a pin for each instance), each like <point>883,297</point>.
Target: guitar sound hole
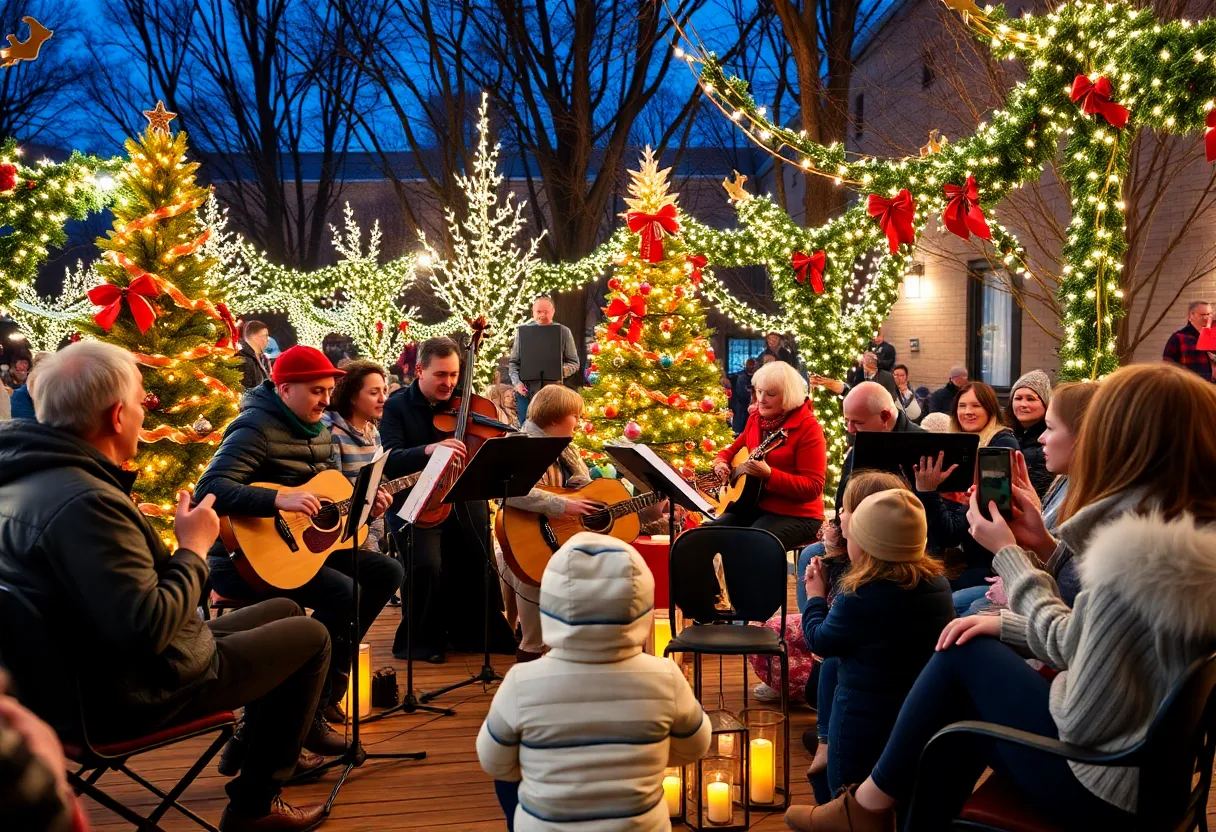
<point>598,521</point>
<point>327,519</point>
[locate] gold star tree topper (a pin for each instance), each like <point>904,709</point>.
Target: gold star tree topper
<point>648,188</point>
<point>159,118</point>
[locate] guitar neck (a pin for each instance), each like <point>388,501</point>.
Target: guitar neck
<point>633,506</point>
<point>392,487</point>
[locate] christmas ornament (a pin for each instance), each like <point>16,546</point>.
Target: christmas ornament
<point>588,427</point>
<point>74,337</point>
<point>935,145</point>
<point>667,324</point>
<point>687,471</point>
<point>136,295</point>
<point>8,176</point>
<point>593,379</point>
<point>25,50</point>
<point>151,401</point>
<point>692,420</point>
<point>633,431</point>
<point>707,405</point>
<point>614,284</point>
<point>379,327</point>
<point>594,367</point>
<point>628,316</point>
<point>665,361</point>
<point>159,118</point>
<point>1095,96</point>
<point>403,327</point>
<point>595,348</point>
<point>697,262</point>
<point>1209,138</point>
<point>894,217</point>
<point>679,291</point>
<point>710,355</point>
<point>707,445</point>
<point>594,472</point>
<point>201,426</point>
<point>644,289</point>
<point>674,400</point>
<point>690,445</point>
<point>609,470</point>
<point>963,215</point>
<point>611,411</point>
<point>618,361</point>
<point>809,267</point>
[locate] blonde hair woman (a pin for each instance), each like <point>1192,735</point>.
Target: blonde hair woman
<point>791,502</point>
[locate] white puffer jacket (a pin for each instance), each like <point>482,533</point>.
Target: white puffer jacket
<point>589,728</point>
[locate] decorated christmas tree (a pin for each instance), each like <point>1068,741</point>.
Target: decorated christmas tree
<point>652,371</point>
<point>158,302</point>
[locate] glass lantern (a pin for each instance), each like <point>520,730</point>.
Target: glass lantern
<point>768,766</point>
<point>715,786</point>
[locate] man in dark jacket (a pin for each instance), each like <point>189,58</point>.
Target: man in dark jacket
<point>741,396</point>
<point>942,399</point>
<point>773,346</point>
<point>254,365</point>
<point>448,559</point>
<point>124,608</point>
<point>885,351</point>
<point>279,438</point>
<point>869,370</point>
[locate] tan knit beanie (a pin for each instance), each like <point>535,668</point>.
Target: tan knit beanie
<point>890,526</point>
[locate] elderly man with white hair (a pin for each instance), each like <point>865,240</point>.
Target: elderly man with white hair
<point>122,609</point>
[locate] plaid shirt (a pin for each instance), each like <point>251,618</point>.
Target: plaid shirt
<point>1181,350</point>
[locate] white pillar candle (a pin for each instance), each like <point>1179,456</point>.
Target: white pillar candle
<point>763,771</point>
<point>671,791</point>
<point>718,808</point>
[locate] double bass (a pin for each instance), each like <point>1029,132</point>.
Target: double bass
<point>470,419</point>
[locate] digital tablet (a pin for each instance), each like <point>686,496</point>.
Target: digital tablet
<point>898,452</point>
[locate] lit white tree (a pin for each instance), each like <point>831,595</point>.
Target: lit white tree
<point>46,321</point>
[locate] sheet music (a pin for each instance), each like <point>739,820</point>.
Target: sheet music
<point>374,471</point>
<point>426,484</point>
<point>673,478</point>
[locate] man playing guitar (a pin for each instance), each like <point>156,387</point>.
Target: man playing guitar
<point>279,438</point>
<point>449,558</point>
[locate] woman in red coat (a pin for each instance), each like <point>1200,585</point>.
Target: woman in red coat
<point>791,500</point>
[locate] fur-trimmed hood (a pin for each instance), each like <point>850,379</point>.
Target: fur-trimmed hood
<point>1164,570</point>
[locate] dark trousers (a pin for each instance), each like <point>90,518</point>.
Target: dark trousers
<point>449,563</point>
<point>329,595</point>
<point>824,697</point>
<point>508,798</point>
<point>793,532</point>
<point>987,680</point>
<point>272,660</point>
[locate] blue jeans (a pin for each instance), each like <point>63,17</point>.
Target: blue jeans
<point>823,718</point>
<point>964,598</point>
<point>815,550</point>
<point>987,680</point>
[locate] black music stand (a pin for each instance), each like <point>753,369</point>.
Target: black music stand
<point>504,467</point>
<point>540,354</point>
<point>366,485</point>
<point>650,469</point>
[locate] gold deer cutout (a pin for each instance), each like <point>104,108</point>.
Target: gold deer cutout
<point>26,50</point>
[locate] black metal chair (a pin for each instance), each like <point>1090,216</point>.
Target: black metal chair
<point>1174,759</point>
<point>54,694</point>
<point>754,568</point>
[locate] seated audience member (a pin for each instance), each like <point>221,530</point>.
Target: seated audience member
<point>503,397</point>
<point>581,736</point>
<point>125,609</point>
<point>22,403</point>
<point>891,607</point>
<point>942,399</point>
<point>868,370</point>
<point>1028,401</point>
<point>905,397</point>
<point>1139,512</point>
<point>555,410</point>
<point>791,500</point>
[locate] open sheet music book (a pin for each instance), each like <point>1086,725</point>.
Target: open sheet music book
<point>364,498</point>
<point>421,492</point>
<point>656,466</point>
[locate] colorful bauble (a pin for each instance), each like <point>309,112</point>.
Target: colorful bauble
<point>710,356</point>
<point>594,472</point>
<point>611,411</point>
<point>608,470</point>
<point>588,427</point>
<point>619,361</point>
<point>614,284</point>
<point>644,289</point>
<point>667,325</point>
<point>633,431</point>
<point>707,405</point>
<point>403,326</point>
<point>593,379</point>
<point>673,400</point>
<point>595,348</point>
<point>707,445</point>
<point>692,420</point>
<point>201,426</point>
<point>690,445</point>
<point>8,176</point>
<point>151,401</point>
<point>665,361</point>
<point>688,472</point>
<point>679,291</point>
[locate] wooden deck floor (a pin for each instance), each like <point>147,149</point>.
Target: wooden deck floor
<point>446,791</point>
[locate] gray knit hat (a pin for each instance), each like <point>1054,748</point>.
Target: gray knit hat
<point>1037,381</point>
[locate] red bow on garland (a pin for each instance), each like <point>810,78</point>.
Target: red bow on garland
<point>895,217</point>
<point>1209,138</point>
<point>651,227</point>
<point>810,266</point>
<point>698,261</point>
<point>230,339</point>
<point>628,317</point>
<point>136,296</point>
<point>963,215</point>
<point>1095,98</point>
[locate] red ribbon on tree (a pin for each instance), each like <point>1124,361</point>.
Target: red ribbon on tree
<point>810,266</point>
<point>230,339</point>
<point>895,217</point>
<point>1209,138</point>
<point>136,295</point>
<point>8,176</point>
<point>628,317</point>
<point>963,215</point>
<point>1095,98</point>
<point>698,261</point>
<point>651,228</point>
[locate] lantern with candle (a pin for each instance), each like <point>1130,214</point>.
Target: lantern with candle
<point>768,764</point>
<point>716,786</point>
<point>365,684</point>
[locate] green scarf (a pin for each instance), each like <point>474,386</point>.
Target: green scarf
<point>295,425</point>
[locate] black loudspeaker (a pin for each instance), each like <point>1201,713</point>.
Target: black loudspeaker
<point>384,688</point>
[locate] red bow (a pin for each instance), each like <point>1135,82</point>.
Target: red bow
<point>811,266</point>
<point>651,228</point>
<point>698,261</point>
<point>136,295</point>
<point>628,316</point>
<point>226,316</point>
<point>1095,98</point>
<point>895,217</point>
<point>8,176</point>
<point>1209,138</point>
<point>963,215</point>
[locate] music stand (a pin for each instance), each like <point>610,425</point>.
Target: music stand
<point>361,502</point>
<point>504,467</point>
<point>410,509</point>
<point>653,471</point>
<point>540,354</point>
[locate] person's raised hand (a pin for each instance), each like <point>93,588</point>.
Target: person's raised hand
<point>455,444</point>
<point>929,474</point>
<point>383,501</point>
<point>835,385</point>
<point>521,389</point>
<point>994,534</point>
<point>1021,477</point>
<point>1027,525</point>
<point>196,528</point>
<point>298,501</point>
<point>814,581</point>
<point>962,630</point>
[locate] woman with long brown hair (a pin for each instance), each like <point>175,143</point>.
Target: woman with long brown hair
<point>1140,509</point>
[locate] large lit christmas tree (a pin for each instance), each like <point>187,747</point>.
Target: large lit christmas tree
<point>652,371</point>
<point>158,302</point>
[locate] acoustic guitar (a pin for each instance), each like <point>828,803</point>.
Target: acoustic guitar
<point>289,549</point>
<point>740,491</point>
<point>529,539</point>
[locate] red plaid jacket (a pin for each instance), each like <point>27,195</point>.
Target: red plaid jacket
<point>1181,349</point>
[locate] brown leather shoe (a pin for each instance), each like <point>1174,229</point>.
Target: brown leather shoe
<point>323,740</point>
<point>844,814</point>
<point>308,765</point>
<point>282,817</point>
<point>334,714</point>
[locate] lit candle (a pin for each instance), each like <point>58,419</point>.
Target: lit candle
<point>718,807</point>
<point>662,635</point>
<point>763,771</point>
<point>726,745</point>
<point>671,791</point>
<point>365,684</point>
